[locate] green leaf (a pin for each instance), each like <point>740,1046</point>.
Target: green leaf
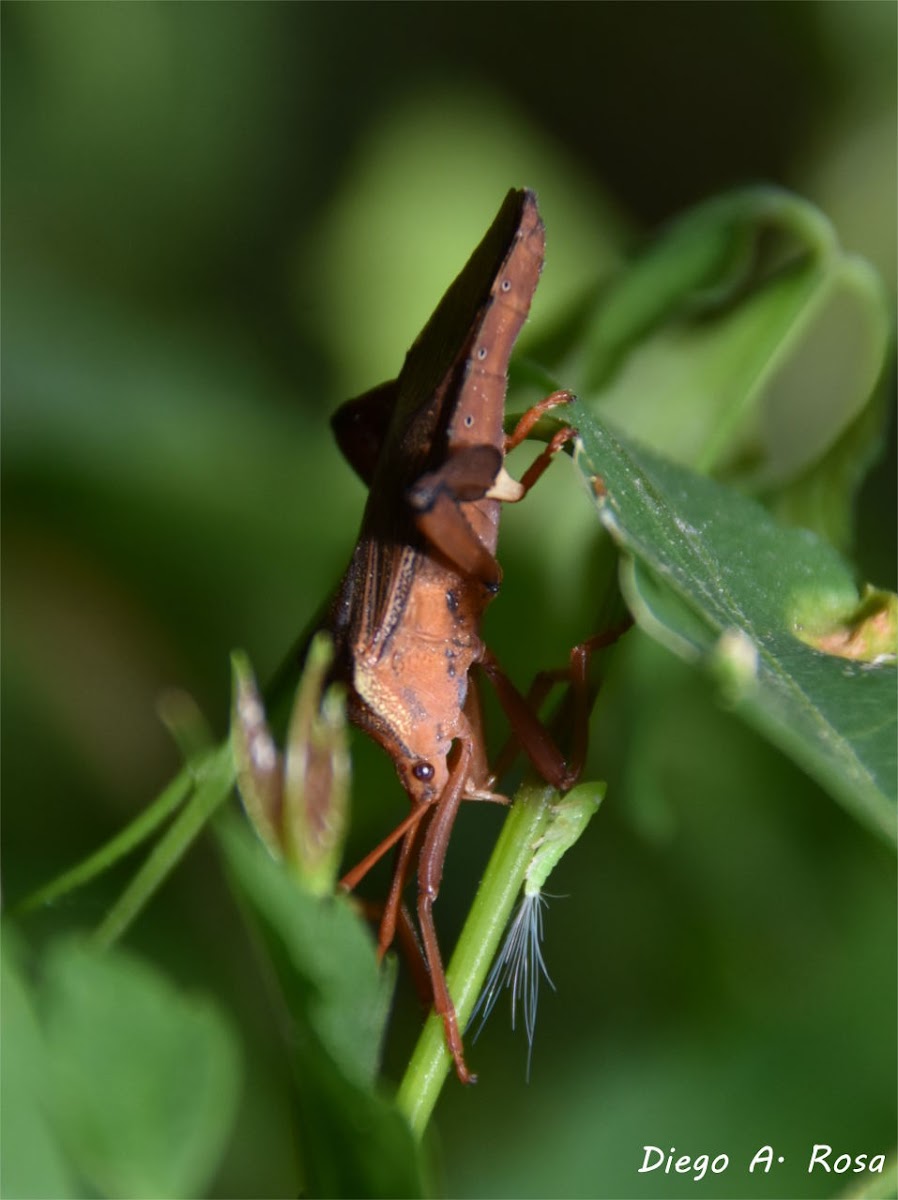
<point>712,576</point>
<point>144,1078</point>
<point>354,1142</point>
<point>744,341</point>
<point>821,498</point>
<point>213,775</point>
<point>33,1162</point>
<point>499,888</point>
<point>158,811</point>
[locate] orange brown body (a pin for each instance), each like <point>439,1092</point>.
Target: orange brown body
<point>406,616</point>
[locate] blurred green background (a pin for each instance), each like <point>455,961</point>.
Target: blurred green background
<point>219,222</point>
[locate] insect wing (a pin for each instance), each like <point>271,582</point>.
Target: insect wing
<point>451,390</point>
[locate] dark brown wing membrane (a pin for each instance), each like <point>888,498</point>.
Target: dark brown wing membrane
<point>376,589</point>
<point>439,374</point>
<point>360,427</point>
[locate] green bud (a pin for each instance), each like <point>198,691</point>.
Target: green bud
<point>258,764</point>
<point>298,802</point>
<point>316,778</point>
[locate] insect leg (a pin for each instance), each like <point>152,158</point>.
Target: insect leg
<point>480,777</point>
<point>542,684</point>
<point>576,673</point>
<point>525,426</point>
<point>435,499</point>
<point>360,870</point>
<point>430,873</point>
<point>535,740</point>
<point>544,458</point>
<point>405,861</point>
<point>579,676</point>
<point>409,946</point>
<point>413,953</point>
<point>533,415</point>
<point>446,528</point>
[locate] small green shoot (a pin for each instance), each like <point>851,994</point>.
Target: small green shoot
<point>520,962</point>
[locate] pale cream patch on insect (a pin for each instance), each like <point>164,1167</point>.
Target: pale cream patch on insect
<point>381,699</point>
<point>505,488</point>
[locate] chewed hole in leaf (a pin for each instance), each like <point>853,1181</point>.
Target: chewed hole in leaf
<point>868,633</point>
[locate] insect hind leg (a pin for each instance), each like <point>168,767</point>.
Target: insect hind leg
<point>527,730</point>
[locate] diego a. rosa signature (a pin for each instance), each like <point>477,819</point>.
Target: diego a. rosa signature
<point>822,1158</point>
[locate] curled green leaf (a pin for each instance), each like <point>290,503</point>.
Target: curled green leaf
<point>711,575</point>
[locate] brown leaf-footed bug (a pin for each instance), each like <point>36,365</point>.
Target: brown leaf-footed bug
<point>405,619</point>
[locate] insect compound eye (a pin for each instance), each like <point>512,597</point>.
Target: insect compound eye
<point>423,771</point>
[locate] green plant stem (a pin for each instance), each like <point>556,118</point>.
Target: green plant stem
<point>169,799</point>
<point>168,852</point>
<point>216,778</point>
<point>430,1063</point>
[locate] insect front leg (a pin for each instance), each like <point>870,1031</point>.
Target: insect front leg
<point>352,878</point>
<point>445,527</point>
<point>524,428</point>
<point>405,861</point>
<point>430,874</point>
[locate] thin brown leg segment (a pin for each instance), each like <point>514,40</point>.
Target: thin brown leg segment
<point>525,426</point>
<point>427,827</point>
<point>535,740</point>
<point>445,527</point>
<point>430,874</point>
<point>533,415</point>
<point>405,862</point>
<point>352,878</point>
<point>579,677</point>
<point>409,946</point>
<point>528,731</point>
